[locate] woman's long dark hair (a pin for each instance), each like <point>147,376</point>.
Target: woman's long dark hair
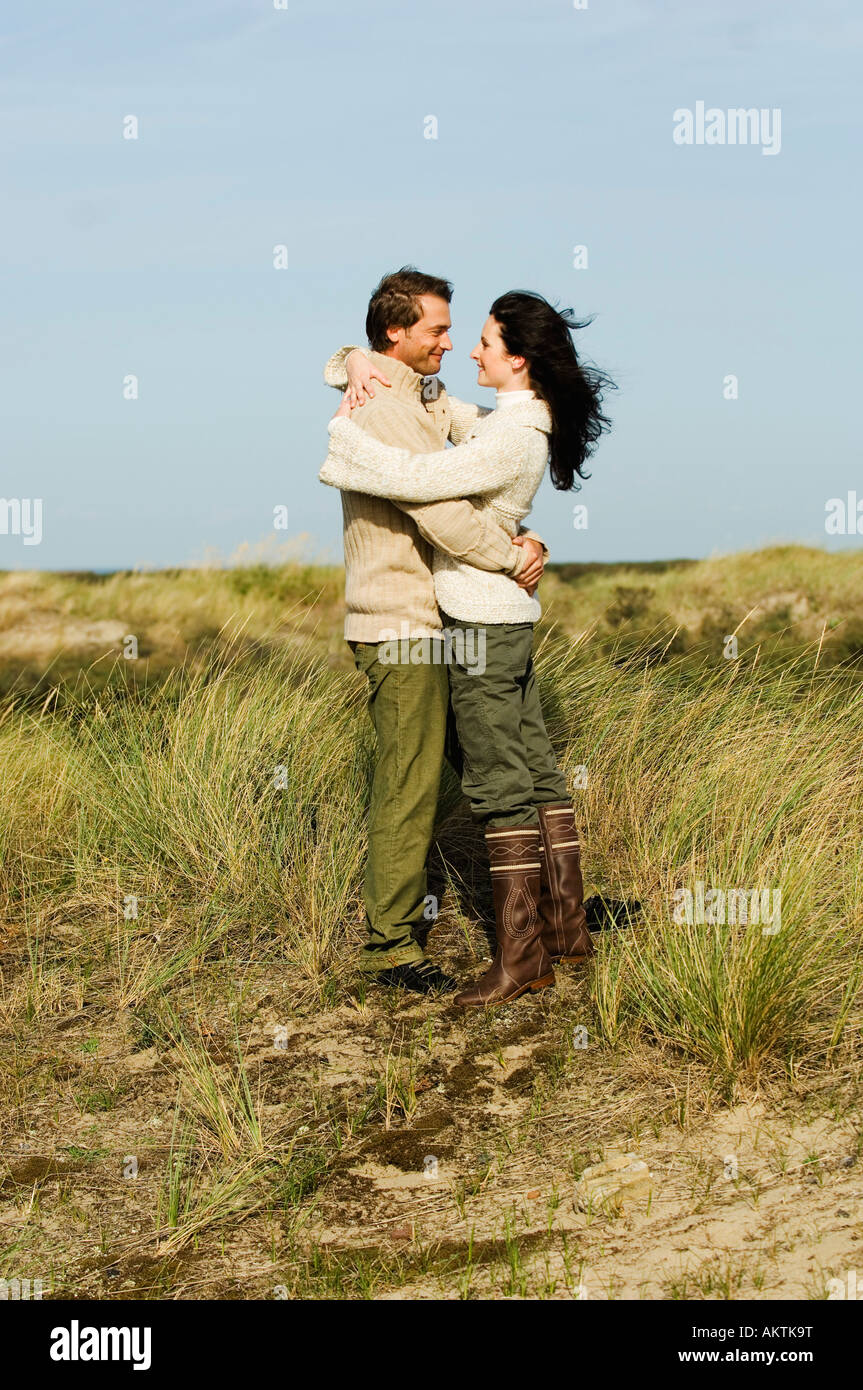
<point>533,329</point>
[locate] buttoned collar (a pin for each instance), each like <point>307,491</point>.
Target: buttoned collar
<point>405,381</point>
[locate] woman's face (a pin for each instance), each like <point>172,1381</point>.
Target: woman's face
<point>496,367</point>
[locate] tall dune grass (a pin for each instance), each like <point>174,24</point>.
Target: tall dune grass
<point>232,792</point>
<point>730,773</point>
<point>739,780</point>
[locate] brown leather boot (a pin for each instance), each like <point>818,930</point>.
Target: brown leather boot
<point>564,922</point>
<point>521,962</point>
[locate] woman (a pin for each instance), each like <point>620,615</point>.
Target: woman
<point>547,412</point>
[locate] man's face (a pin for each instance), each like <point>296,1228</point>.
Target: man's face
<point>423,345</point>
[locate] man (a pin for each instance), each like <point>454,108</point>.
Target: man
<point>389,593</point>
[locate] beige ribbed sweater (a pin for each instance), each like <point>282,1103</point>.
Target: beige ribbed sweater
<point>500,465</point>
<point>389,587</point>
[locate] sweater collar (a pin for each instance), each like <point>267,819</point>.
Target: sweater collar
<point>532,411</point>
<point>505,400</point>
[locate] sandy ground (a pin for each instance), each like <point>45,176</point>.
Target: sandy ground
<point>469,1194</point>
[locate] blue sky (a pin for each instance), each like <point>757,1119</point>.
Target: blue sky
<point>305,127</point>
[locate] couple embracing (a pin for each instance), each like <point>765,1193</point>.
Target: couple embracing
<point>435,549</point>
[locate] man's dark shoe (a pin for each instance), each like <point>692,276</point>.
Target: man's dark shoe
<point>423,977</point>
<point>610,914</point>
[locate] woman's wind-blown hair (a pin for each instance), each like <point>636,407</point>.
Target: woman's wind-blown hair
<point>535,330</point>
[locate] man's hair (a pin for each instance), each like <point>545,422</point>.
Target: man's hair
<point>395,303</point>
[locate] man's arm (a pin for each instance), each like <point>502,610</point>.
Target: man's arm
<point>458,529</point>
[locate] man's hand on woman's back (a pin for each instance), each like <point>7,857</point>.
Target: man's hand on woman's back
<point>532,570</point>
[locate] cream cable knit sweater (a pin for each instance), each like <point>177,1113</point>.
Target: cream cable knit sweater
<point>499,466</point>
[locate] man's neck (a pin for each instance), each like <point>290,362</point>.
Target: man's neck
<point>393,357</point>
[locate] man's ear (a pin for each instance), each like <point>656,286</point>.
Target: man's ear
<point>393,335</point>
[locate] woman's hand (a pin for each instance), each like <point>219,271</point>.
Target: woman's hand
<point>344,410</point>
<point>361,374</point>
